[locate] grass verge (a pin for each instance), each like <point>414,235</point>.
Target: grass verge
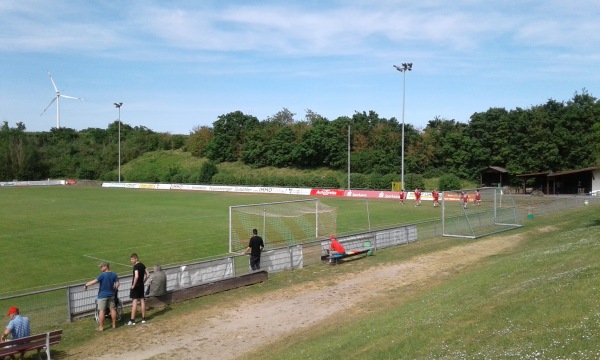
<point>539,300</point>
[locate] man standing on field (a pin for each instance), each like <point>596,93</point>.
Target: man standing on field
<point>140,276</point>
<point>255,246</point>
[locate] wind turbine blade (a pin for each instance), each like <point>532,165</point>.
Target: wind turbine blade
<point>70,97</point>
<point>51,102</point>
<point>53,84</point>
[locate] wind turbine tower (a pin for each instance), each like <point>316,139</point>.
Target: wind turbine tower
<point>57,99</point>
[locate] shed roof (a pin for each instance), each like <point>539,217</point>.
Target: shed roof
<point>494,169</point>
<point>559,173</point>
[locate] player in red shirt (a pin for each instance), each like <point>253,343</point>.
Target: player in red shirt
<point>417,197</point>
<point>335,247</point>
<point>464,198</point>
<point>436,197</point>
<point>477,199</point>
<point>402,196</point>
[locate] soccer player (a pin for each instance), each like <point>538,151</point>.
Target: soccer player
<point>477,198</point>
<point>436,197</point>
<point>417,197</point>
<point>464,197</point>
<point>402,196</point>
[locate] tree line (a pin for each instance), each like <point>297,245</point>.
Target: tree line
<point>553,136</point>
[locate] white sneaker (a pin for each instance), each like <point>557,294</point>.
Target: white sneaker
<point>130,323</point>
<point>143,321</point>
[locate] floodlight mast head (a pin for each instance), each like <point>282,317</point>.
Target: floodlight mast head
<point>403,69</point>
<point>118,106</point>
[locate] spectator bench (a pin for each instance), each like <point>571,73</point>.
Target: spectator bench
<point>35,342</point>
<point>335,257</point>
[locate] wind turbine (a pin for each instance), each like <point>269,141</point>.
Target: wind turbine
<point>57,99</point>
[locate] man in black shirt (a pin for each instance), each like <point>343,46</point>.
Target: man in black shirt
<point>255,246</point>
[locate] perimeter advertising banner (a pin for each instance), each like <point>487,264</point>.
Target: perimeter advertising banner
<point>363,194</point>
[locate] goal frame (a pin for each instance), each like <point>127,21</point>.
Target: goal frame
<point>262,233</point>
<point>496,221</point>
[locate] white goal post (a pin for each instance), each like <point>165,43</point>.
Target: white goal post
<point>280,223</point>
<point>483,212</point>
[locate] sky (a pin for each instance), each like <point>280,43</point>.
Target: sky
<point>177,65</point>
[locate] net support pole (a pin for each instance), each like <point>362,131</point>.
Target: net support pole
<point>264,232</point>
<point>495,210</point>
<point>317,212</point>
<point>443,215</point>
<point>230,238</point>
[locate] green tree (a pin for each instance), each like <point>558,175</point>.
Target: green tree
<point>229,134</point>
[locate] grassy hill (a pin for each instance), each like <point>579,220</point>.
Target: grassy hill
<point>177,166</point>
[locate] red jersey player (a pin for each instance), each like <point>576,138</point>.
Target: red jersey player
<point>436,197</point>
<point>417,197</point>
<point>477,197</point>
<point>402,196</point>
<point>464,198</point>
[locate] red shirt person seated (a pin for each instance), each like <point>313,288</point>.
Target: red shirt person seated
<point>336,246</point>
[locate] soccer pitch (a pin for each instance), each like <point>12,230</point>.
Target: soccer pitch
<point>55,236</point>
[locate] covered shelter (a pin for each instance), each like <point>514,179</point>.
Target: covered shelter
<point>495,176</point>
<point>539,181</point>
<point>575,181</point>
<point>580,181</point>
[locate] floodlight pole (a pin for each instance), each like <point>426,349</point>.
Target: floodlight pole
<point>348,156</point>
<point>118,106</point>
<point>403,69</point>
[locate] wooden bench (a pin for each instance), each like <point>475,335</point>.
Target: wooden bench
<point>34,342</point>
<point>335,257</point>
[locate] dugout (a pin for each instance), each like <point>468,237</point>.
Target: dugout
<point>493,176</point>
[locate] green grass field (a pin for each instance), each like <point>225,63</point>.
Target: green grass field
<point>537,301</point>
<point>55,236</point>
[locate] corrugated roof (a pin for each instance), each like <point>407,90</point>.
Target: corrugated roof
<point>534,174</point>
<point>573,171</point>
<point>496,168</point>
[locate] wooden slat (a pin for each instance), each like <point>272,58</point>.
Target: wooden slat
<point>34,342</point>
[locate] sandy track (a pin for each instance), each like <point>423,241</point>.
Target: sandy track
<point>224,334</point>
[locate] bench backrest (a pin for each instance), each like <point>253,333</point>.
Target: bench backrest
<point>33,342</point>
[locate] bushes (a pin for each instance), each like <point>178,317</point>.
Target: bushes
<point>449,182</point>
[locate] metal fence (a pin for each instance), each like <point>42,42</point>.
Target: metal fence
<point>48,309</point>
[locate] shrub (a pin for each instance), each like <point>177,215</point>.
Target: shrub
<point>207,171</point>
<point>449,182</point>
<point>413,181</point>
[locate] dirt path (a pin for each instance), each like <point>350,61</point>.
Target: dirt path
<point>223,334</point>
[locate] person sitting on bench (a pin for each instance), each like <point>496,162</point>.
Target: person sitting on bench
<point>336,246</point>
<point>18,327</point>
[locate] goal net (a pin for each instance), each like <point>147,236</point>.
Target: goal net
<point>473,213</point>
<point>280,223</point>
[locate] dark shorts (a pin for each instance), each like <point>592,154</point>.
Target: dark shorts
<point>255,262</point>
<point>137,293</point>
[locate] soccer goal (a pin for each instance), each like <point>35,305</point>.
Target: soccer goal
<point>280,223</point>
<point>473,213</point>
